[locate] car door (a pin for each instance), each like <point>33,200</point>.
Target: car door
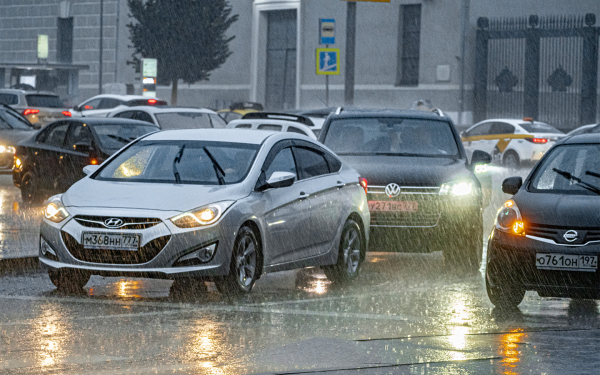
<point>502,133</point>
<point>76,154</point>
<point>48,165</point>
<point>287,215</point>
<point>475,138</point>
<point>324,200</point>
<point>91,108</point>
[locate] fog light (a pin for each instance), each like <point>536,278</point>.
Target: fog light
<point>46,250</point>
<point>202,255</point>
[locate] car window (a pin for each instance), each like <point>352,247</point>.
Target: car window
<point>482,129</point>
<point>243,126</point>
<point>3,124</point>
<point>47,101</point>
<point>270,127</point>
<point>539,127</point>
<point>217,121</point>
<point>126,114</point>
<point>14,120</point>
<point>143,116</point>
<point>107,103</point>
<point>581,161</point>
<point>311,162</point>
<point>391,136</point>
<point>230,116</point>
<point>56,136</point>
<point>501,128</point>
<point>9,99</point>
<point>293,129</point>
<point>115,136</point>
<point>79,134</point>
<point>183,120</point>
<point>90,105</point>
<point>283,162</point>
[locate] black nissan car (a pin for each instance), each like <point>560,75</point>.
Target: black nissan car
<point>547,237</point>
<point>53,160</point>
<point>422,190</point>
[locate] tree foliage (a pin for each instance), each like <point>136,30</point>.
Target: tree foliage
<point>187,37</point>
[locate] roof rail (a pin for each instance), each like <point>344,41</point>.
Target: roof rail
<point>278,116</point>
<point>437,111</point>
<point>339,110</point>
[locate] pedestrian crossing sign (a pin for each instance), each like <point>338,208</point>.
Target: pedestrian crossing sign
<point>328,61</point>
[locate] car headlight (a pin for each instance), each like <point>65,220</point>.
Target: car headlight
<point>457,188</point>
<point>7,149</point>
<point>55,211</point>
<point>509,219</point>
<point>202,216</point>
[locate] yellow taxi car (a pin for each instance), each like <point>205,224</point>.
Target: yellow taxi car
<point>237,110</point>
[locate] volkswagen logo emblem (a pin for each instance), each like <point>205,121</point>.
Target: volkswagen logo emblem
<point>113,223</point>
<point>392,190</point>
<point>570,235</point>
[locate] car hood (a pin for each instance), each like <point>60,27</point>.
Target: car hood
<point>12,137</point>
<point>148,196</point>
<point>407,171</point>
<point>558,209</point>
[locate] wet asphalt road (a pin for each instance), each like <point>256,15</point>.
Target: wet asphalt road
<point>406,314</point>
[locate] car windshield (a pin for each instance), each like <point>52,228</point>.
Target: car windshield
<point>539,127</point>
<point>115,136</point>
<point>183,120</point>
<point>14,120</point>
<point>389,135</point>
<point>47,101</point>
<point>186,162</point>
<point>570,169</point>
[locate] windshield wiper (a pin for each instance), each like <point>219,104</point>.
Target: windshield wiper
<point>218,170</point>
<point>594,174</point>
<point>578,180</point>
<point>124,140</point>
<point>175,162</point>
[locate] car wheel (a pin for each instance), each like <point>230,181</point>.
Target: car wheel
<point>502,292</point>
<point>244,269</point>
<point>350,255</point>
<point>68,279</point>
<point>29,191</point>
<point>511,160</point>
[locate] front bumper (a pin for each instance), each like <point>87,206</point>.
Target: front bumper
<point>164,243</point>
<point>514,257</point>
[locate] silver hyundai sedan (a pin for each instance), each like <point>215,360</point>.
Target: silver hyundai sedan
<point>213,204</point>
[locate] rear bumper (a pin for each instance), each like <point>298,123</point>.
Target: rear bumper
<point>515,257</point>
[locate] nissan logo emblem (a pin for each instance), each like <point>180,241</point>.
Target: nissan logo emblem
<point>570,235</point>
<point>113,223</point>
<point>392,190</point>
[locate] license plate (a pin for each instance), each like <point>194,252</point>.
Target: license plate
<point>393,206</point>
<point>111,241</point>
<point>573,262</point>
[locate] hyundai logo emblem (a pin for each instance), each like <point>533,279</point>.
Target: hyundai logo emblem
<point>570,235</point>
<point>392,190</point>
<point>113,223</point>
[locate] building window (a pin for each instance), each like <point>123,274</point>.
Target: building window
<point>64,40</point>
<point>408,46</point>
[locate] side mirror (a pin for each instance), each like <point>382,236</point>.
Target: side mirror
<point>511,185</point>
<point>281,179</point>
<point>83,147</point>
<point>89,169</point>
<point>36,126</point>
<point>77,108</point>
<point>480,157</point>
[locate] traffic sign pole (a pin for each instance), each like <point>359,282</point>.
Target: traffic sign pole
<point>327,86</point>
<point>350,52</point>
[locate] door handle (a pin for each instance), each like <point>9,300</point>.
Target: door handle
<point>303,195</point>
<point>340,184</point>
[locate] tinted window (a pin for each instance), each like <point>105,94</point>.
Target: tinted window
<point>334,163</point>
<point>243,126</point>
<point>48,101</point>
<point>143,116</point>
<point>229,116</point>
<point>153,161</point>
<point>565,166</point>
<point>539,127</point>
<point>126,114</point>
<point>283,162</point>
<point>183,120</point>
<point>115,136</point>
<point>391,136</point>
<point>9,99</point>
<point>501,128</point>
<point>311,162</point>
<point>14,120</point>
<point>482,129</point>
<point>92,104</point>
<point>79,134</point>
<point>293,129</point>
<point>108,103</point>
<point>274,128</point>
<point>217,121</point>
<point>56,136</point>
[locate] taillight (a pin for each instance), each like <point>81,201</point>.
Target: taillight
<point>30,111</point>
<point>66,113</point>
<point>363,182</point>
<point>151,101</point>
<point>537,140</point>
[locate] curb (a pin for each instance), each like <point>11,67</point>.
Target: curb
<point>12,266</point>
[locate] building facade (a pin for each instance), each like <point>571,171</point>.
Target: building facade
<point>406,50</point>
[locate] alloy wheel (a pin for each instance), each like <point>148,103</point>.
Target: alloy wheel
<point>351,248</point>
<point>246,261</point>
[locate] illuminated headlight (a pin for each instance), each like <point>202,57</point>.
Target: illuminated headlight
<point>459,188</point>
<point>18,163</point>
<point>481,168</point>
<point>509,219</point>
<point>202,216</point>
<point>7,149</point>
<point>55,211</point>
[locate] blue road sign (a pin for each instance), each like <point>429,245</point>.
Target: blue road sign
<point>327,31</point>
<point>328,61</point>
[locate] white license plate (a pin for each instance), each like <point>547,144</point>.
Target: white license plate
<point>111,241</point>
<point>393,206</point>
<point>572,262</point>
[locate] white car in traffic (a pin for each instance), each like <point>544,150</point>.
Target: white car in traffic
<point>102,105</point>
<point>277,122</point>
<point>170,118</point>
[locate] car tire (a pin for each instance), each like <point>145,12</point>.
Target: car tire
<point>30,193</point>
<point>69,280</point>
<point>503,292</point>
<point>511,160</point>
<point>245,265</point>
<point>350,255</point>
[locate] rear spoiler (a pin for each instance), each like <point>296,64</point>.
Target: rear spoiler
<point>278,116</point>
